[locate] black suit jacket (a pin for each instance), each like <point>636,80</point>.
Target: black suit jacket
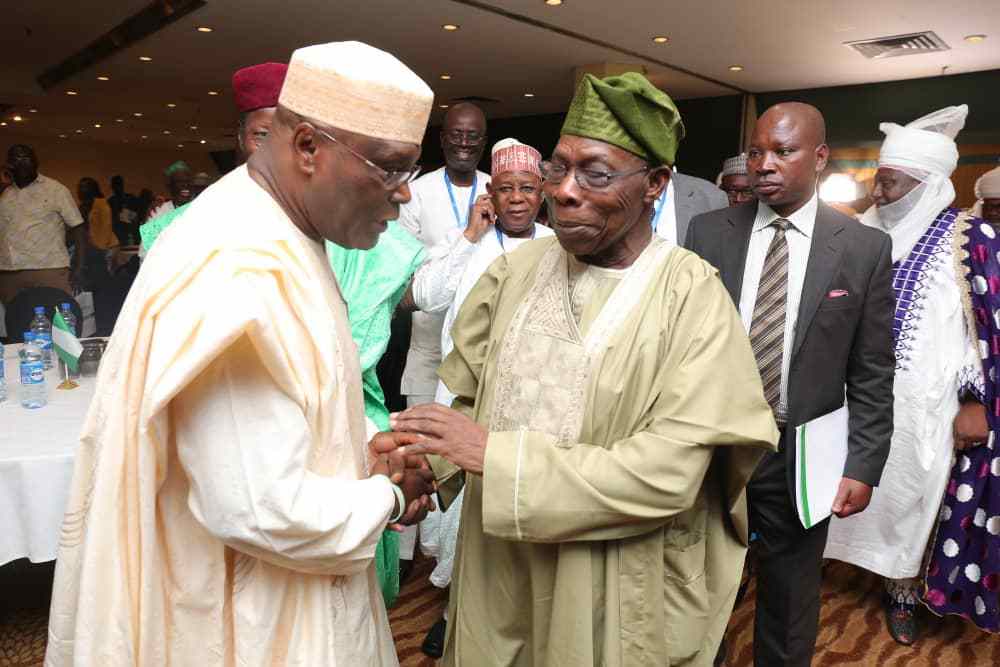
<point>842,343</point>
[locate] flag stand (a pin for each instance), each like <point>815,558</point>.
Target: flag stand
<point>66,383</point>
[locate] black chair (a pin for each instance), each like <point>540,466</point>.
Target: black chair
<point>21,310</point>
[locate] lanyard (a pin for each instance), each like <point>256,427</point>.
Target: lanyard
<point>454,206</point>
<point>496,228</point>
<point>663,202</point>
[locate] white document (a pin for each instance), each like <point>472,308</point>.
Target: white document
<point>820,455</point>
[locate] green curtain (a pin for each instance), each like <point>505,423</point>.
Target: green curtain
<point>373,282</point>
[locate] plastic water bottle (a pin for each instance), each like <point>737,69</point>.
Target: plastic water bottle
<point>42,328</point>
<point>67,313</point>
<point>3,376</point>
<point>32,374</point>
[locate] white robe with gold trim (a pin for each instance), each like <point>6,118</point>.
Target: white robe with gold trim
<point>221,512</point>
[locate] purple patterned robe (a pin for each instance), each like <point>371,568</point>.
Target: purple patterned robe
<point>963,574</point>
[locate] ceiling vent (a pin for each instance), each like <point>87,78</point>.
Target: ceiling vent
<point>899,45</point>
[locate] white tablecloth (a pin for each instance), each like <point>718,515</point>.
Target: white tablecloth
<point>37,448</point>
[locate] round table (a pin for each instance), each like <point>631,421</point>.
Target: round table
<point>37,448</point>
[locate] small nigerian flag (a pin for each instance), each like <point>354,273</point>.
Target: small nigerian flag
<point>65,342</point>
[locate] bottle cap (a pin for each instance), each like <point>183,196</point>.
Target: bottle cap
<point>39,310</point>
<point>29,335</point>
<point>64,306</point>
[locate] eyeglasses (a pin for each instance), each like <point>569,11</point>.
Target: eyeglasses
<point>460,137</point>
<point>746,192</point>
<point>390,179</point>
<point>588,179</point>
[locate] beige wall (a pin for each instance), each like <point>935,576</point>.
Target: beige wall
<point>69,160</point>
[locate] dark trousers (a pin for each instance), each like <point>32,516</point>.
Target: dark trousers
<point>789,571</point>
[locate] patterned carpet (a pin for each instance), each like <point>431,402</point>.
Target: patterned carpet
<point>852,630</point>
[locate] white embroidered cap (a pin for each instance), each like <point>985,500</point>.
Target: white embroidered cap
<point>356,87</point>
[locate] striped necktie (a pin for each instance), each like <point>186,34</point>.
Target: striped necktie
<point>767,329</point>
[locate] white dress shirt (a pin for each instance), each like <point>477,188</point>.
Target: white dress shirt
<point>430,217</point>
<point>799,238</point>
<point>666,224</point>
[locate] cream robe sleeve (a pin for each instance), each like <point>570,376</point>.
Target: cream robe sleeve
<point>244,443</point>
<point>536,491</point>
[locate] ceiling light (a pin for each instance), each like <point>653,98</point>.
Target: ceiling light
<point>202,142</point>
<point>736,68</point>
<point>203,28</point>
<point>171,105</point>
<point>144,137</point>
<point>33,110</point>
<point>445,77</point>
<point>166,132</point>
<point>145,59</point>
<point>103,78</point>
<point>17,119</point>
<point>97,125</point>
<point>213,92</point>
<point>661,39</point>
<point>443,106</point>
<point>119,120</point>
<point>193,127</point>
<point>553,3</point>
<point>529,94</point>
<point>3,123</point>
<point>138,114</point>
<point>63,136</point>
<point>450,27</point>
<point>79,131</point>
<point>180,145</point>
<point>975,39</point>
<point>71,92</point>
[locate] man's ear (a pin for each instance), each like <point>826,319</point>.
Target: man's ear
<point>305,148</point>
<point>656,180</point>
<point>822,158</point>
<point>489,188</point>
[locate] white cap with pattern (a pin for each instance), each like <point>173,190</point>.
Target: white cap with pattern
<point>356,87</point>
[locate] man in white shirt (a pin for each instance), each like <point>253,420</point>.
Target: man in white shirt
<point>35,212</point>
<point>442,201</point>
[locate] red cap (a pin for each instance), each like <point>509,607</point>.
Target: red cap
<point>258,86</point>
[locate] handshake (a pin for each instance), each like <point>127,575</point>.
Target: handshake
<point>426,429</point>
<point>410,472</point>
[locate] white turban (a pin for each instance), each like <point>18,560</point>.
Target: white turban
<point>924,149</point>
<point>987,187</point>
<point>925,145</point>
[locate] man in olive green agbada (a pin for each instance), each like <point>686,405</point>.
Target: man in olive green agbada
<point>609,413</point>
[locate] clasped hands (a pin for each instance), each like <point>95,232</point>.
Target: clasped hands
<point>426,429</point>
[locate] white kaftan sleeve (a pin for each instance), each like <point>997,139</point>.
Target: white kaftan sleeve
<point>970,376</point>
<point>409,214</point>
<point>436,281</point>
<point>245,445</point>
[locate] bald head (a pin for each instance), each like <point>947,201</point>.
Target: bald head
<point>787,153</point>
<point>463,139</point>
<point>462,110</point>
<point>806,117</point>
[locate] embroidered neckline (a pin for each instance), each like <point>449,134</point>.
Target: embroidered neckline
<point>909,282</point>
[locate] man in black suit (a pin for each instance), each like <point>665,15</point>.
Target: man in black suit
<point>814,289</point>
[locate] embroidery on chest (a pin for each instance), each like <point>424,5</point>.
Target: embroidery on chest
<point>910,280</point>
